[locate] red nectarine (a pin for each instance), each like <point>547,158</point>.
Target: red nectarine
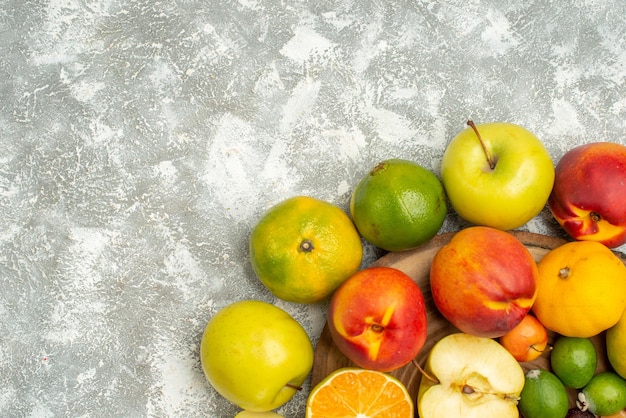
<point>589,194</point>
<point>377,318</point>
<point>483,281</point>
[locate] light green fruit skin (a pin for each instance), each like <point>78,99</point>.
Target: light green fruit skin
<point>543,396</point>
<point>604,395</point>
<point>384,231</point>
<point>616,346</point>
<point>507,197</point>
<point>574,374</point>
<point>251,350</point>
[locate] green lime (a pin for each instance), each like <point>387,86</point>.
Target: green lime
<point>605,394</point>
<point>573,360</point>
<point>398,205</point>
<point>543,396</point>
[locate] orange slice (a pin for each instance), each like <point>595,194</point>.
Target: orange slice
<point>354,392</point>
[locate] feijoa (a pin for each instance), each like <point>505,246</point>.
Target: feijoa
<point>573,360</point>
<point>605,394</point>
<point>543,395</point>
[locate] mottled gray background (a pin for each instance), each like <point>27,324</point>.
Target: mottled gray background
<point>141,140</point>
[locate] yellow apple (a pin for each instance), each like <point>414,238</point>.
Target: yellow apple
<point>250,414</point>
<point>255,355</point>
<point>470,377</point>
<point>497,174</point>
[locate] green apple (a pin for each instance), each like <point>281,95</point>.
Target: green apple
<point>471,377</point>
<point>255,355</point>
<point>497,174</point>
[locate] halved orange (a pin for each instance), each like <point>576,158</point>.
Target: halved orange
<point>354,392</point>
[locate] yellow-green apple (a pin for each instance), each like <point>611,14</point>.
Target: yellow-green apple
<point>589,195</point>
<point>484,281</point>
<point>255,354</point>
<point>616,346</point>
<point>497,174</point>
<point>377,318</point>
<point>251,414</point>
<point>470,377</point>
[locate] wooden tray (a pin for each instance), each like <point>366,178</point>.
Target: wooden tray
<point>416,263</point>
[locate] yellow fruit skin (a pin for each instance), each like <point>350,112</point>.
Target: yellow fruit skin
<point>255,354</point>
<point>581,290</point>
<point>505,197</point>
<point>252,414</point>
<point>301,274</point>
<point>616,346</point>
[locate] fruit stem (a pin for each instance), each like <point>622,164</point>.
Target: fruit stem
<point>289,385</point>
<point>492,163</point>
<point>564,273</point>
<point>426,375</point>
<point>548,348</point>
<point>306,246</point>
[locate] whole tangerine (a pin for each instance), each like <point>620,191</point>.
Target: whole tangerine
<point>581,289</point>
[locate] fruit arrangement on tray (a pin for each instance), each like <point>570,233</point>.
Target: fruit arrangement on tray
<point>416,264</point>
<point>488,321</point>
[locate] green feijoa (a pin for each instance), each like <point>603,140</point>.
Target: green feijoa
<point>573,360</point>
<point>605,394</point>
<point>543,395</point>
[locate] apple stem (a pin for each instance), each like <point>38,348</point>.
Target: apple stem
<point>492,163</point>
<point>289,385</point>
<point>548,348</point>
<point>513,398</point>
<point>426,375</point>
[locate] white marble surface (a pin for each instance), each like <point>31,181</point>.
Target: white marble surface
<point>141,140</point>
